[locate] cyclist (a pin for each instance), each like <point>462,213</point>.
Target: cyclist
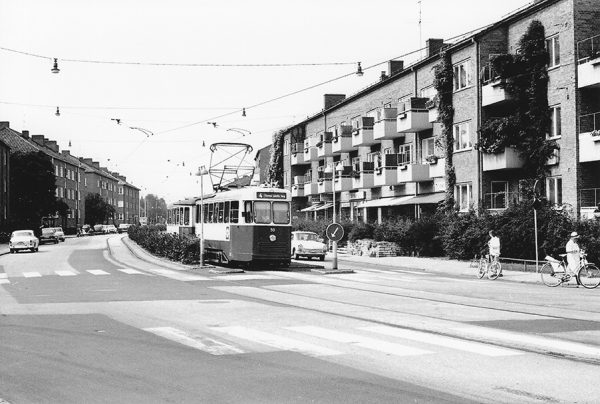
<point>573,252</point>
<point>494,247</point>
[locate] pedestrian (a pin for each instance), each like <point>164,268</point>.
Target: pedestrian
<point>494,248</point>
<point>573,252</point>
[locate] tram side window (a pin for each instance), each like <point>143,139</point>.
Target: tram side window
<point>234,211</point>
<point>216,213</point>
<point>226,214</point>
<point>281,212</point>
<point>221,210</point>
<point>248,212</point>
<point>262,211</point>
<point>211,208</point>
<point>205,213</point>
<point>198,213</point>
<point>186,217</point>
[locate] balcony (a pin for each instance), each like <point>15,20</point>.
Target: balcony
<point>589,137</point>
<point>500,200</point>
<point>437,169</point>
<point>385,126</point>
<point>362,134</point>
<point>386,171</point>
<point>324,185</point>
<point>297,190</point>
<point>311,188</point>
<point>588,62</point>
<point>413,116</point>
<point>362,175</point>
<point>324,146</point>
<point>413,173</point>
<point>343,141</point>
<point>310,149</point>
<point>343,179</point>
<point>509,159</point>
<point>492,87</point>
<point>297,151</point>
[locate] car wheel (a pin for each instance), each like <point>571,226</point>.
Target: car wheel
<point>321,258</point>
<point>56,241</point>
<point>36,249</point>
<point>12,251</point>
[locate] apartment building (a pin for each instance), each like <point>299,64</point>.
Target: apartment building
<point>128,201</point>
<point>376,153</point>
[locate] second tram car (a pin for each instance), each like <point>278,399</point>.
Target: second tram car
<point>181,217</point>
<point>246,226</point>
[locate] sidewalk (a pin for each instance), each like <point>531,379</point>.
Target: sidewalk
<point>4,249</point>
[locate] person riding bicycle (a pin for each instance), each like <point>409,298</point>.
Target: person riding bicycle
<point>494,247</point>
<point>573,252</point>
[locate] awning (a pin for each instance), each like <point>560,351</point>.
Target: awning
<point>377,203</point>
<point>316,207</point>
<point>424,199</point>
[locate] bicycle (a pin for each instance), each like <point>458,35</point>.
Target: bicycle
<point>555,272</point>
<point>489,265</point>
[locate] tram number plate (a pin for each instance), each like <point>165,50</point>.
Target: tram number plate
<point>271,195</point>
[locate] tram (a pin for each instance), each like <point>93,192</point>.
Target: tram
<point>246,226</point>
<point>181,217</point>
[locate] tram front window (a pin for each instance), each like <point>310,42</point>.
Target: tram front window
<point>281,212</point>
<point>262,212</point>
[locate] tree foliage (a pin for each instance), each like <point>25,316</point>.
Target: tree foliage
<point>32,189</point>
<point>275,171</point>
<point>154,208</point>
<point>97,210</point>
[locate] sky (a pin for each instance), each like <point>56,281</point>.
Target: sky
<point>174,72</point>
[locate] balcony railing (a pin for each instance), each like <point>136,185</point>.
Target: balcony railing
<point>488,74</point>
<point>589,197</point>
<point>588,49</point>
<point>588,62</point>
<point>500,200</point>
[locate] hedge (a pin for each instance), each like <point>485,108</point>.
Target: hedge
<point>172,246</point>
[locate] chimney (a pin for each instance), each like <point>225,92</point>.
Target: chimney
<point>383,76</point>
<point>332,100</point>
<point>65,153</point>
<point>95,164</point>
<point>51,144</point>
<point>395,66</point>
<point>4,124</point>
<point>87,161</point>
<point>433,46</point>
<point>25,134</point>
<point>39,139</point>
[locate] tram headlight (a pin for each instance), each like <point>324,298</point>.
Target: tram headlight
<point>272,237</point>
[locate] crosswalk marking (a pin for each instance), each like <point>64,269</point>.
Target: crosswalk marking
<point>129,271</point>
<point>97,272</point>
<point>32,274</point>
<point>65,273</point>
<point>448,342</point>
<point>3,275</point>
<point>205,344</point>
<point>277,341</point>
<point>363,342</point>
<point>4,281</point>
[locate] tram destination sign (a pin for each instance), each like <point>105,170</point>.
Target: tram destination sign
<point>271,195</point>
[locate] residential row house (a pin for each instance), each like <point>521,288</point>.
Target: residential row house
<point>76,178</point>
<point>375,153</point>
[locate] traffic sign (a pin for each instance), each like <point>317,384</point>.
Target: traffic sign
<point>335,232</point>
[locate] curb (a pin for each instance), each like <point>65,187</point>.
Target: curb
<point>332,271</point>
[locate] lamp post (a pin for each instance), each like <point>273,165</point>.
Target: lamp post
<point>202,172</point>
<point>536,205</point>
<point>338,168</point>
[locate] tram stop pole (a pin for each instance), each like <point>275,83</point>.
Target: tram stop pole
<point>202,172</point>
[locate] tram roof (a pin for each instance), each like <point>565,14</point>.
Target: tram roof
<point>249,192</point>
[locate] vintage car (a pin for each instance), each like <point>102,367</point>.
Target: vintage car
<point>308,244</point>
<point>123,227</point>
<point>23,240</point>
<point>60,233</point>
<point>49,235</point>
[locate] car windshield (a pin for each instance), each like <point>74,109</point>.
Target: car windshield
<point>23,233</point>
<point>307,237</point>
<point>48,230</point>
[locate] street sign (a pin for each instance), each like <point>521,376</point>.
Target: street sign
<point>335,232</point>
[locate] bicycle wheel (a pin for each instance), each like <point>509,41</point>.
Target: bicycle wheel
<point>494,270</point>
<point>549,277</point>
<point>589,276</point>
<point>481,268</point>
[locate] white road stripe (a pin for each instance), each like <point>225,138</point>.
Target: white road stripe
<point>359,340</point>
<point>65,273</point>
<point>3,275</point>
<point>97,272</point>
<point>32,274</point>
<point>277,341</point>
<point>4,281</point>
<point>550,344</point>
<point>129,271</point>
<point>448,342</point>
<point>205,344</point>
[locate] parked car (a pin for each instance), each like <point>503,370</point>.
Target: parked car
<point>85,230</point>
<point>98,229</point>
<point>49,235</point>
<point>123,227</point>
<point>23,240</point>
<point>308,244</point>
<point>60,233</point>
<point>109,228</point>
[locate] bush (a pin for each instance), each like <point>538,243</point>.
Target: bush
<point>422,237</point>
<point>464,235</point>
<point>361,230</point>
<point>172,246</point>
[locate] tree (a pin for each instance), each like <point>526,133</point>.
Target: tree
<point>97,210</point>
<point>275,172</point>
<point>33,188</point>
<point>154,208</point>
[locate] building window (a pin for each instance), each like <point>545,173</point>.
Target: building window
<point>286,181</point>
<point>462,75</point>
<point>60,171</point>
<point>85,182</point>
<point>427,147</point>
<point>286,147</point>
<point>499,195</point>
<point>405,154</point>
<point>554,190</point>
<point>56,171</point>
<point>553,47</point>
<point>463,196</point>
<point>555,123</point>
<point>462,139</point>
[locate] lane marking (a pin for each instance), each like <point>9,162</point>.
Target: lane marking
<point>205,344</point>
<point>130,271</point>
<point>65,273</point>
<point>32,275</point>
<point>4,281</point>
<point>277,341</point>
<point>361,341</point>
<point>3,275</point>
<point>448,342</point>
<point>97,272</point>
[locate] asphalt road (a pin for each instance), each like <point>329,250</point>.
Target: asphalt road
<point>87,321</point>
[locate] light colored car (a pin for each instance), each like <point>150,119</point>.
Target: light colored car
<point>109,228</point>
<point>123,227</point>
<point>59,233</point>
<point>308,244</point>
<point>23,240</point>
<point>49,235</point>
